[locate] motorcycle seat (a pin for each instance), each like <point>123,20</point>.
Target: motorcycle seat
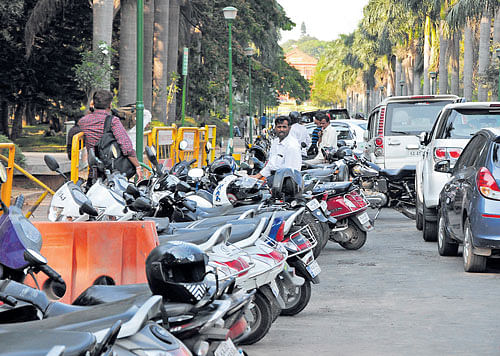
<point>199,236</point>
<point>333,187</point>
<point>99,294</point>
<point>319,172</point>
<point>397,174</point>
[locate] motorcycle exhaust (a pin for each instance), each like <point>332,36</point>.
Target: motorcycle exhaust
<point>377,200</point>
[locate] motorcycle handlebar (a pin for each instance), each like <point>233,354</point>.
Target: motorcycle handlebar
<point>8,299</point>
<point>51,273</point>
<point>19,201</point>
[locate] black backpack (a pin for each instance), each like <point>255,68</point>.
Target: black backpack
<point>103,151</point>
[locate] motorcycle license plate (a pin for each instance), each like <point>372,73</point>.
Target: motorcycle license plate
<point>324,206</point>
<point>363,218</point>
<point>313,205</point>
<point>226,348</point>
<point>314,269</point>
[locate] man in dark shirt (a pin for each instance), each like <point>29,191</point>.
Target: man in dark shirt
<point>313,150</point>
<point>93,127</point>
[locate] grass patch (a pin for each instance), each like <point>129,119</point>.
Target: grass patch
<point>34,140</point>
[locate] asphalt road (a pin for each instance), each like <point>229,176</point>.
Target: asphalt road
<point>395,296</point>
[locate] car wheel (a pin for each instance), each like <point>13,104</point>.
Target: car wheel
<point>429,228</point>
<point>446,246</point>
<point>419,223</point>
<point>472,262</point>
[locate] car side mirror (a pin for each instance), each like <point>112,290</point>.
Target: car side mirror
<point>366,136</point>
<point>423,138</point>
<point>443,166</point>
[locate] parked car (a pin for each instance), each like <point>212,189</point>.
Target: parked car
<point>335,114</point>
<point>394,125</point>
<point>357,128</point>
<point>344,133</point>
<point>469,203</point>
<point>453,129</point>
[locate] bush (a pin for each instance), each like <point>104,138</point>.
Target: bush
<point>19,157</point>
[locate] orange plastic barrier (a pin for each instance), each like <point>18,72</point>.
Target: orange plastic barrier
<point>83,252</point>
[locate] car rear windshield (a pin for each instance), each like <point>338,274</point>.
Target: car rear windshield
<point>338,115</point>
<point>464,123</point>
<point>344,134</point>
<point>412,118</point>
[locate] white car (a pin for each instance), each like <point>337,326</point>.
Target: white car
<point>394,126</point>
<point>344,133</point>
<point>454,127</point>
<point>357,128</point>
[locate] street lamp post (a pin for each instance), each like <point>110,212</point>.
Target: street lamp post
<point>433,82</point>
<point>249,53</point>
<point>230,15</point>
<point>497,51</point>
<point>402,84</point>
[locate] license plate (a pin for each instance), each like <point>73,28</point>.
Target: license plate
<point>324,206</point>
<point>415,152</point>
<point>226,348</point>
<point>313,205</point>
<point>314,269</point>
<point>363,218</point>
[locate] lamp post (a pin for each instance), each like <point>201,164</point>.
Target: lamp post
<point>230,15</point>
<point>402,84</point>
<point>497,51</point>
<point>433,81</point>
<point>249,53</point>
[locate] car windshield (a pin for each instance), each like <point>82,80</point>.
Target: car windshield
<point>343,134</point>
<point>338,115</point>
<point>411,118</point>
<point>364,126</point>
<point>466,122</point>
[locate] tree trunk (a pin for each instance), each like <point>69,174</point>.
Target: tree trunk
<point>160,65</point>
<point>397,77</point>
<point>30,114</point>
<point>128,53</point>
<point>443,60</point>
<point>147,89</point>
<point>427,55</point>
<point>17,125</point>
<point>468,61</point>
<point>417,75</point>
<point>102,26</point>
<point>484,56</point>
<point>173,51</point>
<point>4,118</point>
<point>455,63</point>
<point>408,64</point>
<point>496,30</point>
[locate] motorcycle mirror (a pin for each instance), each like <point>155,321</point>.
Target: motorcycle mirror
<point>183,145</point>
<point>179,195</point>
<point>423,138</point>
<point>34,258</point>
<point>88,209</point>
<point>3,174</point>
<point>141,204</point>
<point>196,173</point>
<point>208,147</point>
<point>244,166</point>
<point>303,144</point>
<point>51,162</point>
<point>151,154</point>
<point>132,190</point>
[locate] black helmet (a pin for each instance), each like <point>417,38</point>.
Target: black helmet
<point>259,153</point>
<point>223,166</point>
<point>295,116</point>
<point>244,190</point>
<point>344,151</point>
<point>287,183</point>
<point>305,119</point>
<point>176,270</point>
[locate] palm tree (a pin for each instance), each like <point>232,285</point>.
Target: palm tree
<point>103,11</point>
<point>128,52</point>
<point>147,87</point>
<point>160,64</point>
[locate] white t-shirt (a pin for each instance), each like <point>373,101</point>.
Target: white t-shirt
<point>284,154</point>
<point>145,120</point>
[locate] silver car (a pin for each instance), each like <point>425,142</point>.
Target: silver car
<point>451,132</point>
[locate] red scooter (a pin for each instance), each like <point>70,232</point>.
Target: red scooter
<point>344,202</point>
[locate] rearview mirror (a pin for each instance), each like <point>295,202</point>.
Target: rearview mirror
<point>443,166</point>
<point>195,173</point>
<point>151,155</point>
<point>34,258</point>
<point>183,145</point>
<point>51,162</point>
<point>423,138</point>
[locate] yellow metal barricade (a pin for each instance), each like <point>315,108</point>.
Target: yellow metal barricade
<point>164,140</point>
<point>192,136</point>
<point>7,186</point>
<point>212,132</point>
<point>203,132</point>
<point>77,145</point>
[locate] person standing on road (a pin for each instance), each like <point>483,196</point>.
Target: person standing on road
<point>284,152</point>
<point>92,126</point>
<point>315,136</point>
<point>299,132</point>
<point>263,122</point>
<point>327,137</point>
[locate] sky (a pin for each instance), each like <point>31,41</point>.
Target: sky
<point>324,19</point>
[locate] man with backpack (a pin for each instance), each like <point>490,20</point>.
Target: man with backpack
<point>93,126</point>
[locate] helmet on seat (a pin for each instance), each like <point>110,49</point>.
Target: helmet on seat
<point>294,116</point>
<point>287,184</point>
<point>259,153</point>
<point>223,166</point>
<point>244,190</point>
<point>176,270</point>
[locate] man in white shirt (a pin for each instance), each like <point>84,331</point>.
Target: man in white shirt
<point>327,137</point>
<point>300,132</point>
<point>284,152</point>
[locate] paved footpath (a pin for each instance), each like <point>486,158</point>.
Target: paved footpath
<point>395,296</point>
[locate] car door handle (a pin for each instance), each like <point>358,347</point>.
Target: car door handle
<point>394,143</point>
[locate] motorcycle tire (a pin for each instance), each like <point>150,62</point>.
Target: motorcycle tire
<point>300,300</point>
<point>357,237</point>
<point>262,320</point>
<point>409,211</point>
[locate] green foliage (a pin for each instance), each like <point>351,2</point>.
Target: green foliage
<point>307,44</point>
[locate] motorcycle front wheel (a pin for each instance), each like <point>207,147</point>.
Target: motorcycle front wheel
<point>357,237</point>
<point>296,299</point>
<point>260,320</point>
